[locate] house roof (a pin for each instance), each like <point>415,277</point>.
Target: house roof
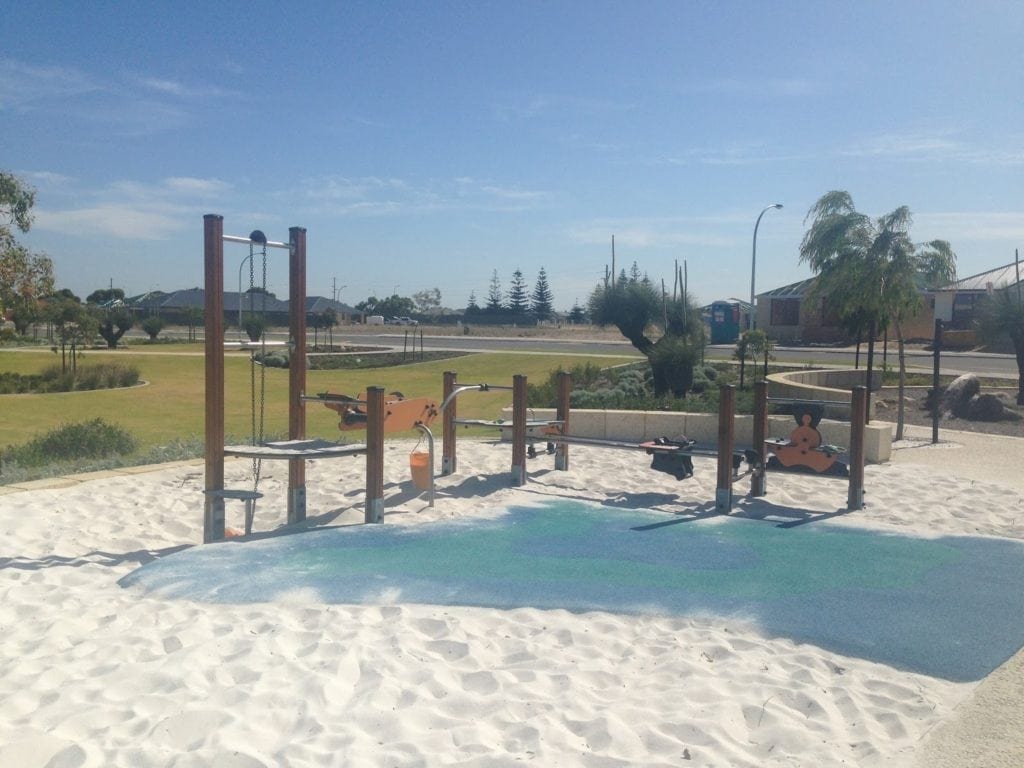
<point>1000,277</point>
<point>195,297</point>
<point>793,290</point>
<point>322,304</point>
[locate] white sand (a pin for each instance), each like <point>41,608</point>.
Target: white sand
<point>92,674</point>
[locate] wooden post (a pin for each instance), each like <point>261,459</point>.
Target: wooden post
<point>726,435</point>
<point>759,475</point>
<point>858,412</point>
<point>448,461</point>
<point>213,298</point>
<point>374,455</point>
<point>518,430</point>
<point>562,415</point>
<point>296,370</point>
<point>936,357</point>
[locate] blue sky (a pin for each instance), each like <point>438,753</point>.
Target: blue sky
<point>428,144</point>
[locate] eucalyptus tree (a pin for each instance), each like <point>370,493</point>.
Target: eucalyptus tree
<point>25,277</point>
<point>870,269</point>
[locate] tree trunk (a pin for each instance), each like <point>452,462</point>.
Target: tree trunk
<point>903,382</point>
<point>668,377</point>
<point>871,364</point>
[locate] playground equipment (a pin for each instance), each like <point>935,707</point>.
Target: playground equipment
<point>401,414</point>
<point>297,449</point>
<point>674,456</point>
<point>520,425</point>
<point>803,449</point>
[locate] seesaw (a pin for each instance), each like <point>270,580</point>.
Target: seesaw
<point>400,413</point>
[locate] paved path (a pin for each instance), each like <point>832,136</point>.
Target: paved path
<point>987,730</point>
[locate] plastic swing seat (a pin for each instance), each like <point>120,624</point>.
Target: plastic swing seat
<point>672,457</point>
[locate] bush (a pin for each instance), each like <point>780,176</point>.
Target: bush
<point>83,440</point>
<point>273,359</point>
<point>87,377</point>
<point>152,325</point>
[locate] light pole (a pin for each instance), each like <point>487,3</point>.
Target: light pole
<point>752,316</point>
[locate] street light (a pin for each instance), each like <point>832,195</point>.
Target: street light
<point>752,315</point>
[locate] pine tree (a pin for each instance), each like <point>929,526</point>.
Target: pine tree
<point>518,300</point>
<point>576,314</point>
<point>541,300</point>
<point>494,302</point>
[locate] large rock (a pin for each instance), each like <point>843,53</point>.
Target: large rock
<point>958,394</point>
<point>985,408</point>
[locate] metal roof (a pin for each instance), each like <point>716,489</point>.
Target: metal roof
<point>1000,277</point>
<point>793,290</point>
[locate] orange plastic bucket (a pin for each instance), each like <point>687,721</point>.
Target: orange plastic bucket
<point>419,464</point>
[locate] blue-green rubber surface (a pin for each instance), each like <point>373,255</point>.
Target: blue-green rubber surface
<point>951,607</point>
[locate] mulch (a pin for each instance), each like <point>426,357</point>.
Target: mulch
<point>915,413</point>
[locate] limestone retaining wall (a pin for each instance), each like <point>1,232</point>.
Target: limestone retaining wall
<point>637,426</point>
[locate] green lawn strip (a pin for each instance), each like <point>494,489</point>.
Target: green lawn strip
<point>171,406</point>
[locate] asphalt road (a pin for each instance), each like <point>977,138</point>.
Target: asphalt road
<point>952,363</point>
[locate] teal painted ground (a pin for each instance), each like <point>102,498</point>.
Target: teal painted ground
<point>950,607</point>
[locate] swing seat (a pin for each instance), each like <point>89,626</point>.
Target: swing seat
<point>239,494</point>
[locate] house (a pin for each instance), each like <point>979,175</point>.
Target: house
<point>789,316</point>
<point>175,306</point>
<point>956,304</point>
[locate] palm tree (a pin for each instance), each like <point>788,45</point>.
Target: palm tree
<point>1003,313</point>
<point>870,269</point>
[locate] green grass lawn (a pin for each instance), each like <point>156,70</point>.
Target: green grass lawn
<point>171,405</point>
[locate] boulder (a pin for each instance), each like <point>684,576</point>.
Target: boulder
<point>958,395</point>
<point>985,408</point>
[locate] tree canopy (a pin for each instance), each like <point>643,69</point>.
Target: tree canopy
<point>1000,314</point>
<point>870,270</point>
<point>634,307</point>
<point>541,300</point>
<point>24,276</point>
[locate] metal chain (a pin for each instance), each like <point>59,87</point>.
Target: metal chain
<point>255,435</point>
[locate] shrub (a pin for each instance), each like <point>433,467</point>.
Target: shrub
<point>152,325</point>
<point>273,359</point>
<point>82,440</point>
<point>98,376</point>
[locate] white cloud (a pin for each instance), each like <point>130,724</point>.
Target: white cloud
<point>180,90</point>
<point>23,86</point>
<point>47,178</point>
<point>110,220</point>
<point>963,226</point>
<point>528,106</point>
<point>654,233</point>
<point>767,88</point>
<point>193,186</point>
<point>373,196</point>
<point>132,210</point>
<point>939,146</point>
<point>735,154</point>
